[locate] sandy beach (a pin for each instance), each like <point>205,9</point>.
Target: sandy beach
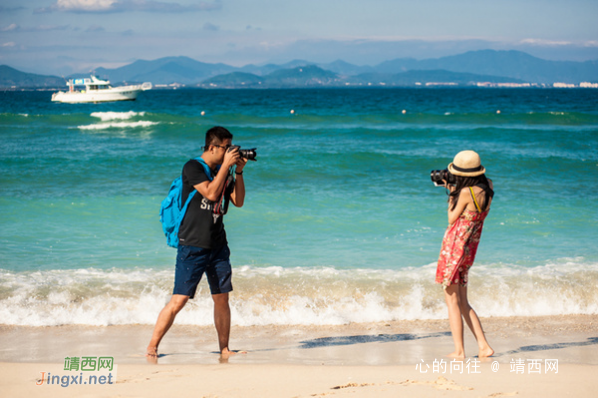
<point>535,356</point>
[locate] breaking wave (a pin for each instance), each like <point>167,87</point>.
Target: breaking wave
<point>294,296</point>
<point>120,125</point>
<point>106,116</point>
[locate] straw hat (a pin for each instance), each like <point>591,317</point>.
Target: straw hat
<point>467,164</point>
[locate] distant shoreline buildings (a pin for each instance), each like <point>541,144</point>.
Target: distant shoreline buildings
<point>507,85</point>
<point>477,69</point>
<point>554,85</point>
<point>430,85</point>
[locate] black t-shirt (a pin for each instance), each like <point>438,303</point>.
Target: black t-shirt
<point>200,226</point>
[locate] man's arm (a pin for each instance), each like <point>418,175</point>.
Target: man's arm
<point>212,190</point>
<point>238,194</point>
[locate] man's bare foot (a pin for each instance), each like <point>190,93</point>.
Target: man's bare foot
<point>152,355</point>
<point>226,353</point>
<point>486,352</point>
<point>456,355</point>
<point>152,352</point>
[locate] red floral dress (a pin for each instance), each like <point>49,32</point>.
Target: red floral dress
<point>459,247</point>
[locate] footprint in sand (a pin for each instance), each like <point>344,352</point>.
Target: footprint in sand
<point>440,384</point>
<point>352,385</point>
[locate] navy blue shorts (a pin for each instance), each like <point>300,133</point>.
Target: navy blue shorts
<point>192,262</point>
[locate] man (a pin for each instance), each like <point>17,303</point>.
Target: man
<point>203,247</point>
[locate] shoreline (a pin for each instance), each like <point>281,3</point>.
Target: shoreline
<point>570,338</point>
<point>381,360</point>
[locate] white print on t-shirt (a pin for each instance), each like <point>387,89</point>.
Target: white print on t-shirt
<point>206,204</point>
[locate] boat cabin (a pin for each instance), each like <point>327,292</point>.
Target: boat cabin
<point>92,84</point>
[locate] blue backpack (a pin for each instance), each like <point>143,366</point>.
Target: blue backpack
<point>172,211</point>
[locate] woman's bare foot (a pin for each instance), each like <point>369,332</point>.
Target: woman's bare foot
<point>456,355</point>
<point>485,352</point>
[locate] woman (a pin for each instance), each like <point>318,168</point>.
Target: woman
<point>469,202</point>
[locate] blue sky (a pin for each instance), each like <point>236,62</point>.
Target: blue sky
<point>64,36</point>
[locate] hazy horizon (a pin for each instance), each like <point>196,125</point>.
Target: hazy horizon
<point>66,36</point>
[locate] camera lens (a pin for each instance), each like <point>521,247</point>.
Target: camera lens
<point>249,154</point>
<point>438,175</point>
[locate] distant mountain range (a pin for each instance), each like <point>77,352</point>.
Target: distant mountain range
<point>314,76</point>
<point>10,77</point>
<point>473,67</point>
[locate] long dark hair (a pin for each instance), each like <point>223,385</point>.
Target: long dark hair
<point>464,182</point>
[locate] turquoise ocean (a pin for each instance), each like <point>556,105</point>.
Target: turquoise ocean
<point>341,222</point>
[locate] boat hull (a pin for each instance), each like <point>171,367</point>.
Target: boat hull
<point>125,93</point>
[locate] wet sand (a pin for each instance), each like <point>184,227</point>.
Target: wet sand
<point>374,359</point>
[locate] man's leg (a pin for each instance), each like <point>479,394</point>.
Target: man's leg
<point>222,322</point>
<point>190,266</point>
<point>219,273</point>
<point>164,322</point>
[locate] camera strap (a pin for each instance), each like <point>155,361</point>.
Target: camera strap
<point>221,207</point>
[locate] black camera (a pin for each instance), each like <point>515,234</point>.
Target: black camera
<point>248,154</point>
<point>438,175</point>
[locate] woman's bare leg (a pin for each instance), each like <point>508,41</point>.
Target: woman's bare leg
<point>472,320</point>
<point>452,297</point>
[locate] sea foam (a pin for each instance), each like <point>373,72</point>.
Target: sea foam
<point>295,296</point>
<point>105,116</point>
<point>116,120</point>
<point>104,126</point>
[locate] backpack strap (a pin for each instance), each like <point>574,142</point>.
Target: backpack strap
<point>474,200</point>
<point>221,206</point>
<point>184,209</point>
<point>207,168</point>
<point>193,191</point>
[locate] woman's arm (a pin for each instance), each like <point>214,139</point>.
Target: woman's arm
<point>464,199</point>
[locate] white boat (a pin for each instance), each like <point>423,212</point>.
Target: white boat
<point>97,90</point>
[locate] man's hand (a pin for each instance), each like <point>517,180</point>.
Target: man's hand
<point>231,157</point>
<point>241,162</point>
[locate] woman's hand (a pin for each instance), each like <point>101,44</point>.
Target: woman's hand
<point>451,188</point>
